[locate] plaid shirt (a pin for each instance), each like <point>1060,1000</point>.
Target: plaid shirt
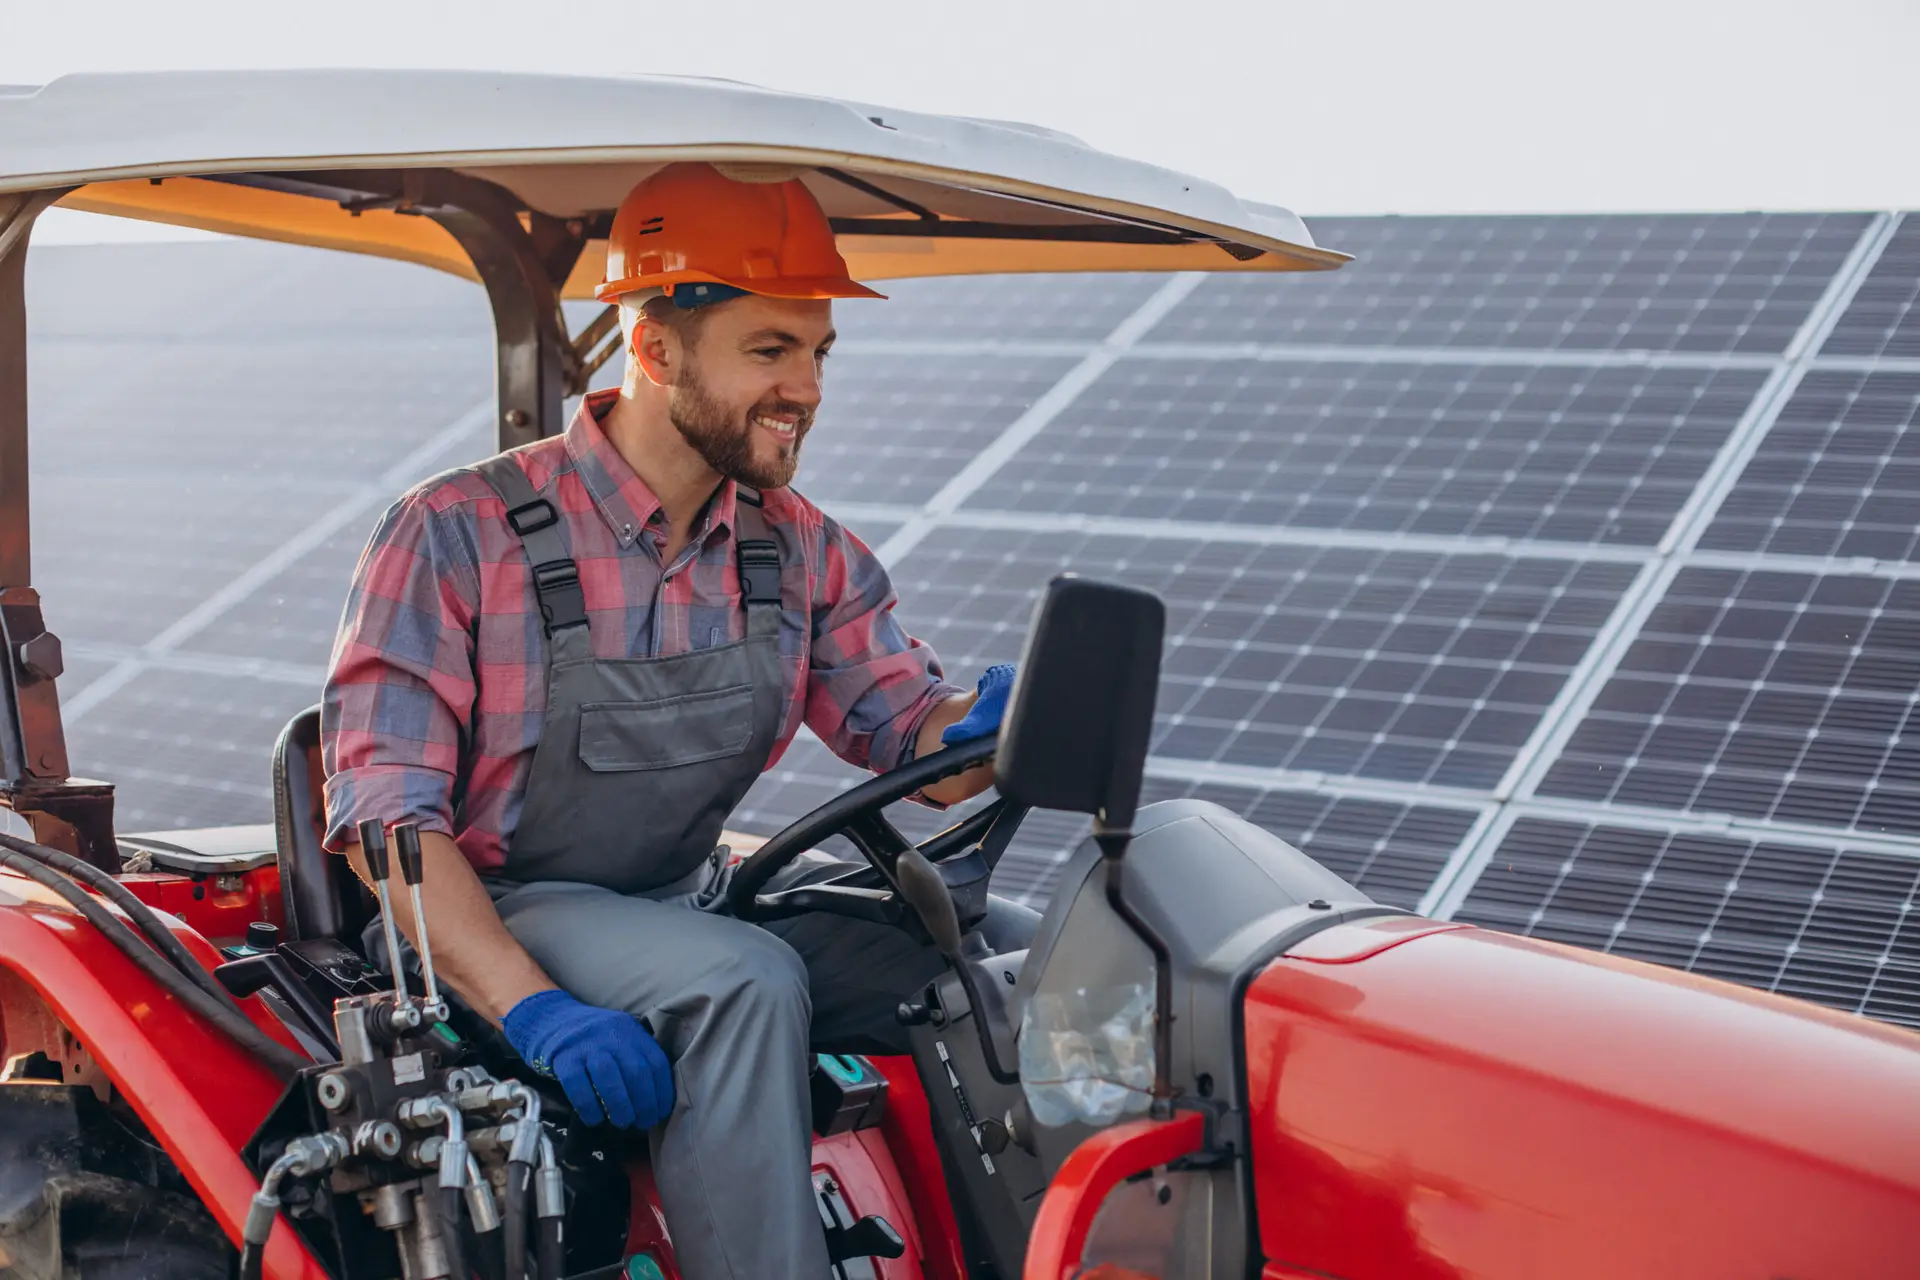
<point>438,684</point>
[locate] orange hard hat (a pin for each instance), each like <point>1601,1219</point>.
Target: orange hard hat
<point>692,224</point>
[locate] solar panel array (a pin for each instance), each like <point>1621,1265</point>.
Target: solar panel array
<point>1556,574</point>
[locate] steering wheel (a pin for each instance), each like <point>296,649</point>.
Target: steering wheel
<point>964,854</point>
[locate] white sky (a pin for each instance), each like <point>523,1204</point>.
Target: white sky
<point>1389,106</point>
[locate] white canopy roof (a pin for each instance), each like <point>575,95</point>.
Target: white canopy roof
<point>1030,199</point>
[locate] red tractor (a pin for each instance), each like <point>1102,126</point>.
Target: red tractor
<point>1218,1059</point>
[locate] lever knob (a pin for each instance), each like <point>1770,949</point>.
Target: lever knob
<point>406,839</point>
<point>373,843</point>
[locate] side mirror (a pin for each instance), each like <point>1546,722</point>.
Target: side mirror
<point>1076,730</point>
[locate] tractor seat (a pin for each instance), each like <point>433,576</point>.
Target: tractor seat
<point>323,898</point>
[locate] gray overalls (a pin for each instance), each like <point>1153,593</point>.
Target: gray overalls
<point>612,877</point>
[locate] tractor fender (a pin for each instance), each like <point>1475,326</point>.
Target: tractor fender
<point>199,1094</point>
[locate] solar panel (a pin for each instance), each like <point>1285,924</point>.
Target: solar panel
<point>187,749</point>
<point>1734,283</point>
<point>1884,318</point>
<point>894,430</point>
<point>1838,475</point>
<point>1392,852</point>
<point>1835,926</point>
<point>1580,386</point>
<point>1565,453</point>
<point>1399,665</point>
<point>1082,308</point>
<point>1785,696</point>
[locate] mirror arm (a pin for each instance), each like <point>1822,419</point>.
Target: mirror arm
<point>1113,846</point>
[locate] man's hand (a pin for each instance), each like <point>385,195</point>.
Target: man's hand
<point>472,951</point>
<point>964,719</point>
<point>611,1068</point>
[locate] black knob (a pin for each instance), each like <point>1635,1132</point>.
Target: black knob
<point>373,843</point>
<point>912,1013</point>
<point>994,1136</point>
<point>263,936</point>
<point>406,840</point>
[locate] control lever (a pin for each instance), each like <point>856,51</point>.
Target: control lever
<point>373,843</point>
<point>406,838</point>
<point>923,889</point>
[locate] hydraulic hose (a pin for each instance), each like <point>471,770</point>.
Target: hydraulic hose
<point>228,1018</point>
<point>513,1234</point>
<point>550,1206</point>
<point>451,1238</point>
<point>552,1250</point>
<point>124,898</point>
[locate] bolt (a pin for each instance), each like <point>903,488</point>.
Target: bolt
<point>40,658</point>
<point>517,418</point>
<point>333,1092</point>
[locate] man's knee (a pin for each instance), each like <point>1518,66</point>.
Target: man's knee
<point>1008,926</point>
<point>758,971</point>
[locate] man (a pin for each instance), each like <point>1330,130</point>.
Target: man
<point>549,662</point>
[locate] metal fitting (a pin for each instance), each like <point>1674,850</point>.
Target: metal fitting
<point>549,1186</point>
<point>480,1207</point>
<point>333,1091</point>
<point>424,1154</point>
<point>392,1206</point>
<point>402,1018</point>
<point>453,1163</point>
<point>528,1130</point>
<point>377,1138</point>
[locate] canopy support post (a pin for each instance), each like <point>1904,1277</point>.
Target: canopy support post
<point>70,814</point>
<point>523,266</point>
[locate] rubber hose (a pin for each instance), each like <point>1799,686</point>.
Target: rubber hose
<point>142,915</point>
<point>250,1260</point>
<point>552,1249</point>
<point>451,1238</point>
<point>491,1263</point>
<point>235,1024</point>
<point>513,1233</point>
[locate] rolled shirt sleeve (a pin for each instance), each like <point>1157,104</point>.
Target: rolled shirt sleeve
<point>400,688</point>
<point>870,685</point>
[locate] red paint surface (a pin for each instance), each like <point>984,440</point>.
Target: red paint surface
<point>1095,1168</point>
<point>201,1095</point>
<point>1346,943</point>
<point>647,1222</point>
<point>908,1129</point>
<point>1473,1104</point>
<point>220,915</point>
<point>870,1183</point>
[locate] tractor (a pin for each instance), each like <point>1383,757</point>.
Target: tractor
<point>1217,1059</point>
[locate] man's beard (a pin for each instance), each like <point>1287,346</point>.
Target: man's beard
<point>723,437</point>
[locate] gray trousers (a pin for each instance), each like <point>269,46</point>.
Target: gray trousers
<point>738,1008</point>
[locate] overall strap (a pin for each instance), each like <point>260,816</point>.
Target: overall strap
<point>758,556</point>
<point>556,580</point>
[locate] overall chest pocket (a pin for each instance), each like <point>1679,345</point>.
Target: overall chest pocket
<point>663,733</point>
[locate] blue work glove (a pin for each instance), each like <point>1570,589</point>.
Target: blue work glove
<point>610,1067</point>
<point>989,705</point>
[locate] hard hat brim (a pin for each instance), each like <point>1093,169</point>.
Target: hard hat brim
<point>783,287</point>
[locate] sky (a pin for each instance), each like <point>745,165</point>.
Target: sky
<point>1385,106</point>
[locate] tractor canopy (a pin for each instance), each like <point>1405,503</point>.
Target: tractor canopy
<point>344,159</point>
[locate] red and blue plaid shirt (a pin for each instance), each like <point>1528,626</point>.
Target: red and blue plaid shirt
<point>438,683</point>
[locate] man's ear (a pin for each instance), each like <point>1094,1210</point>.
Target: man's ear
<point>656,351</point>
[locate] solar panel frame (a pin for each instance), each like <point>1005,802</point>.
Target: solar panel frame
<point>1883,320</point>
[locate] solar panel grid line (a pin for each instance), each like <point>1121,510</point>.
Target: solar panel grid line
<point>1866,364</point>
<point>1043,410</point>
<point>1291,536</point>
<point>1817,566</point>
<point>372,495</point>
<point>304,675</point>
<point>908,348</point>
<point>1615,639</point>
<point>1175,768</point>
<point>1495,357</point>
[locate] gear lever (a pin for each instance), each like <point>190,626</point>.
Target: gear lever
<point>373,843</point>
<point>406,836</point>
<point>925,890</point>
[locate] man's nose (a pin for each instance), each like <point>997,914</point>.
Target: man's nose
<point>803,386</point>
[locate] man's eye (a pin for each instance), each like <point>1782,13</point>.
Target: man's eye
<point>771,353</point>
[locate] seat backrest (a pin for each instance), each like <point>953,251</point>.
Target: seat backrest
<point>323,898</point>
